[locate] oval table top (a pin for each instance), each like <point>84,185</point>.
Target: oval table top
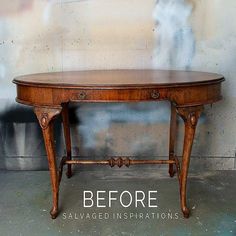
<point>119,78</point>
<point>184,88</point>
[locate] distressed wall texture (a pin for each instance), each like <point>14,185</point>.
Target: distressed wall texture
<point>53,35</point>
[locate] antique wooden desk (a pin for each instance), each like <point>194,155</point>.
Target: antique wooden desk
<point>50,94</point>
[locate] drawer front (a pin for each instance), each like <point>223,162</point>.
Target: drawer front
<point>116,95</point>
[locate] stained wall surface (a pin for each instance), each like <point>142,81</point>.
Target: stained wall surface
<point>55,35</point>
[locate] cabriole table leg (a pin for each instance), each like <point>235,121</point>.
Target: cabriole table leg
<point>46,116</point>
<point>172,138</point>
<point>190,117</point>
<point>66,127</point>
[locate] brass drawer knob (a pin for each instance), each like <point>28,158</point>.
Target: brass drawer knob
<point>82,95</point>
<point>155,94</point>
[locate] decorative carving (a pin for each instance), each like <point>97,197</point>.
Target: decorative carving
<point>119,162</point>
<point>190,114</point>
<point>44,120</point>
<point>82,95</point>
<point>155,94</point>
<point>45,115</point>
<point>193,119</point>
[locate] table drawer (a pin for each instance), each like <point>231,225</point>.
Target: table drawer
<point>117,95</point>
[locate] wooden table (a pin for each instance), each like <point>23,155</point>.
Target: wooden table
<point>50,94</point>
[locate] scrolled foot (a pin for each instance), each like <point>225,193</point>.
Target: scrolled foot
<point>186,212</point>
<point>54,213</point>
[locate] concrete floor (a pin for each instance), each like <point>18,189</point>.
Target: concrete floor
<point>26,199</point>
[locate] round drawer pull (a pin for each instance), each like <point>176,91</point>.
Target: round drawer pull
<point>82,95</point>
<point>155,94</point>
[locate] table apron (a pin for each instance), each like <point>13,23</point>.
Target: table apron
<point>181,96</point>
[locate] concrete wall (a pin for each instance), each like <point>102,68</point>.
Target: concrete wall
<point>44,36</point>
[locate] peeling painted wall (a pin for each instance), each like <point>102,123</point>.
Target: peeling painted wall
<point>55,35</point>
